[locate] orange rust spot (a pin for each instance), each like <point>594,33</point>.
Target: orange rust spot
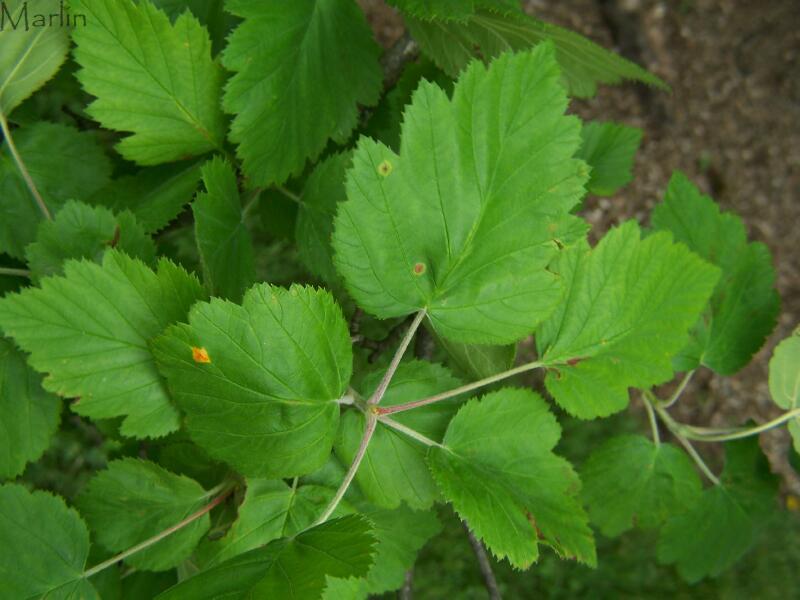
<point>200,355</point>
<point>419,269</point>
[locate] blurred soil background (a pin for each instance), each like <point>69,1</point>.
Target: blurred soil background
<point>732,124</point>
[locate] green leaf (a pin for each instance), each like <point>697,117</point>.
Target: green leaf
<point>629,306</point>
<point>784,380</point>
<point>478,361</point>
<point>628,481</point>
<point>287,568</point>
<point>65,164</point>
<point>400,535</point>
<point>211,13</point>
<point>155,196</point>
<point>610,149</point>
<point>321,195</point>
<point>262,395</point>
<point>271,510</point>
<point>226,249</point>
<point>28,414</point>
<point>498,470</point>
<point>44,549</point>
<point>89,331</point>
<point>441,10</point>
<point>82,231</point>
<point>723,524</point>
<point>133,500</point>
<point>282,55</point>
<point>28,59</point>
<point>152,79</point>
<point>489,32</point>
<point>394,469</point>
<point>464,222</point>
<point>745,305</point>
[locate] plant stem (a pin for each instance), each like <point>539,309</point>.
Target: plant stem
<point>651,415</point>
<point>160,536</point>
<point>678,391</point>
<point>15,272</point>
<point>697,458</point>
<point>289,194</point>
<point>412,433</point>
<point>377,396</point>
<point>461,390</point>
<point>677,430</point>
<point>23,169</point>
<point>723,436</point>
<point>369,430</point>
<point>483,562</point>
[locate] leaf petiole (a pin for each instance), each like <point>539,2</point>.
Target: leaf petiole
<point>412,433</point>
<point>160,536</point>
<point>463,389</point>
<point>8,271</point>
<point>23,169</point>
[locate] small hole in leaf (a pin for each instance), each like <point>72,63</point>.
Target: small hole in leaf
<point>200,355</point>
<point>419,269</point>
<point>385,168</point>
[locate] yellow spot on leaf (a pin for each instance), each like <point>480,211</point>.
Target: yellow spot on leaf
<point>793,503</point>
<point>200,355</point>
<point>385,168</point>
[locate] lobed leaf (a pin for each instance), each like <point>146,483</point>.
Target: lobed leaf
<point>82,231</point>
<point>629,481</point>
<point>465,220</point>
<point>489,30</point>
<point>133,500</point>
<point>28,414</point>
<point>281,55</point>
<point>744,307</point>
<point>89,329</point>
<point>65,164</point>
<point>609,149</point>
<point>44,549</point>
<point>28,59</point>
<point>293,567</point>
<point>226,248</point>
<point>718,529</point>
<point>497,468</point>
<point>629,306</point>
<point>784,380</point>
<point>259,381</point>
<point>152,79</point>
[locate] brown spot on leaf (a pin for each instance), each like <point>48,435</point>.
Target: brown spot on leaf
<point>419,268</point>
<point>385,168</point>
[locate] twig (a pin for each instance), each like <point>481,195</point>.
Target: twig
<point>394,60</point>
<point>461,390</point>
<point>23,169</point>
<point>158,537</point>
<point>483,562</point>
<point>407,591</point>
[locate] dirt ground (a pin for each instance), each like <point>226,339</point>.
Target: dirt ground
<point>732,123</point>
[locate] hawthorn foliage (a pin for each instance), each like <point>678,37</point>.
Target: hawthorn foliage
<point>272,436</point>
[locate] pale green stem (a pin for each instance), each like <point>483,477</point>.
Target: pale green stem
<point>159,536</point>
<point>377,396</point>
<point>461,390</point>
<point>678,391</point>
<point>723,436</point>
<point>23,169</point>
<point>697,458</point>
<point>651,416</point>
<point>412,433</point>
<point>369,430</point>
<point>15,272</point>
<point>289,194</point>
